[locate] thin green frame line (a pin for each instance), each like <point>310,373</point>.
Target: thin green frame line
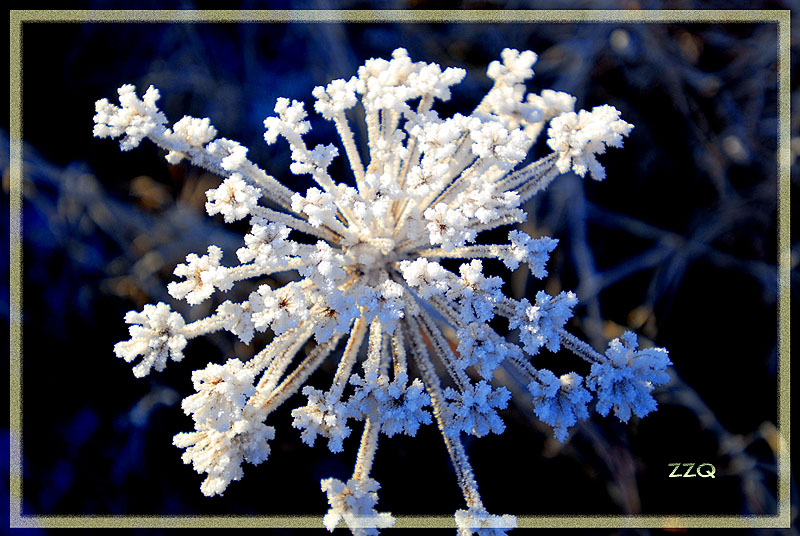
<point>779,17</point>
<point>432,15</point>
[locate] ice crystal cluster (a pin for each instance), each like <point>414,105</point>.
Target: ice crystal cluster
<point>412,338</point>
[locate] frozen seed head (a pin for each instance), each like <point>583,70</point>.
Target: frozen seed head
<point>539,324</point>
<point>477,520</point>
<point>234,199</point>
<point>474,410</point>
<point>354,503</point>
<point>156,334</point>
<point>393,405</point>
<point>559,402</point>
<point>222,391</point>
<point>220,454</point>
<point>624,381</point>
<point>578,138</point>
<point>325,416</point>
<point>133,120</point>
<point>368,285</point>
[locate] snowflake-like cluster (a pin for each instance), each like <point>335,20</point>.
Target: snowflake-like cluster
<point>372,280</point>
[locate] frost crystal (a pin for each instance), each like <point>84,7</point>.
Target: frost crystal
<point>354,502</point>
<point>369,275</point>
<point>577,138</point>
<point>222,391</point>
<point>540,324</point>
<point>394,406</point>
<point>559,402</point>
<point>324,415</point>
<point>473,410</point>
<point>202,276</point>
<point>479,521</point>
<point>220,453</point>
<point>156,333</point>
<point>625,380</point>
<point>534,252</point>
<point>234,199</point>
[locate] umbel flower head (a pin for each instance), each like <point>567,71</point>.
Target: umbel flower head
<point>371,278</point>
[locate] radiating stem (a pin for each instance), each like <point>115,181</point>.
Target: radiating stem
<point>523,365</point>
<point>399,353</point>
<point>533,187</point>
<point>374,346</point>
<point>488,251</point>
<point>349,356</point>
<point>443,351</point>
<point>204,326</point>
<point>340,120</point>
<point>249,271</point>
<point>295,380</point>
<point>533,170</point>
<point>297,224</point>
<point>466,478</point>
<point>282,356</point>
<point>366,450</point>
<point>279,345</point>
<point>580,348</point>
<point>199,156</point>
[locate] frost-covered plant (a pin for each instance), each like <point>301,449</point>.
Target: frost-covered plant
<point>424,192</point>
